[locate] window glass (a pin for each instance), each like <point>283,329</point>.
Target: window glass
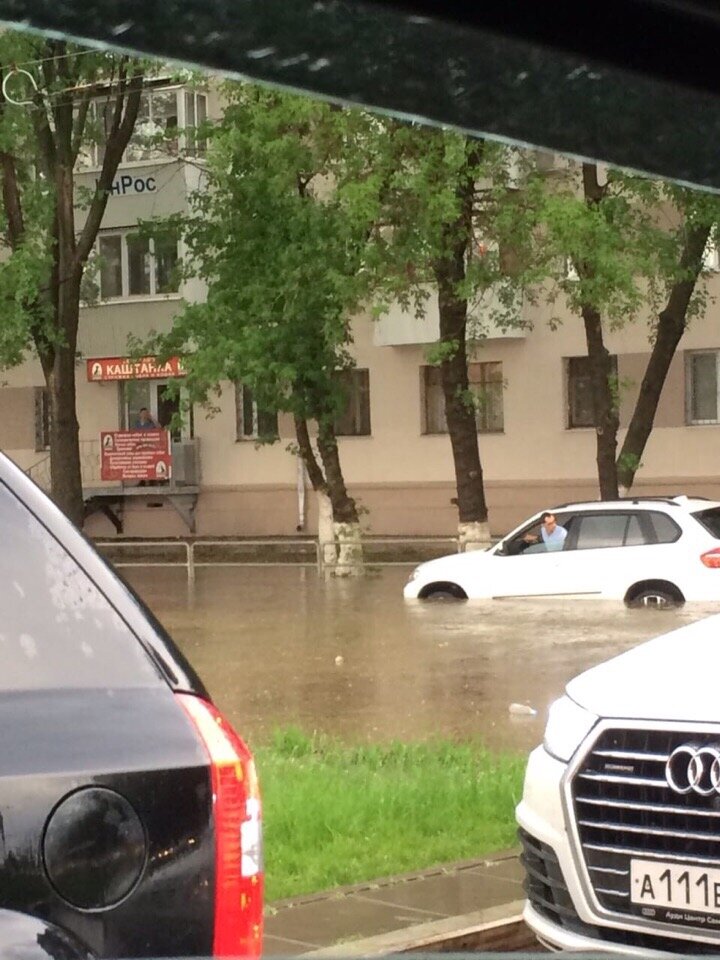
<point>634,536</point>
<point>110,266</point>
<point>710,519</point>
<point>201,143</point>
<point>580,410</point>
<point>165,120</point>
<point>250,422</point>
<point>139,146</point>
<point>57,629</point>
<point>579,400</point>
<point>486,383</point>
<point>433,401</point>
<point>136,395</point>
<point>602,530</point>
<point>355,420</point>
<point>138,264</point>
<point>666,530</point>
<point>166,263</point>
<point>703,388</point>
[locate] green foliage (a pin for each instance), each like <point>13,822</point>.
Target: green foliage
<point>426,218</point>
<point>336,813</point>
<point>65,76</point>
<point>625,249</point>
<point>280,239</point>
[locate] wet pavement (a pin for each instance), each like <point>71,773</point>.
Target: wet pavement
<point>280,646</point>
<point>391,914</point>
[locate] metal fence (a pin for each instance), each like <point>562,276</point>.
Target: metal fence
<point>312,553</point>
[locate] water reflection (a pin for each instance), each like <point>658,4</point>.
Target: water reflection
<point>265,641</point>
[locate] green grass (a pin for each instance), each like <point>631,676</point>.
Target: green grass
<point>337,814</point>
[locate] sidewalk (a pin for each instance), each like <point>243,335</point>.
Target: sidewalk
<point>399,913</point>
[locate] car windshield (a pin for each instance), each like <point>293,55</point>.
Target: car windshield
<point>710,519</point>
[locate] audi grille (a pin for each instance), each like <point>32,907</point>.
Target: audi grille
<point>650,794</point>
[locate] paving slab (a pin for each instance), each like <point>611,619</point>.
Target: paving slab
<point>452,895</point>
<point>392,906</point>
<point>494,929</point>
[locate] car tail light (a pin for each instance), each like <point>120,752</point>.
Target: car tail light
<point>712,558</point>
<point>238,833</point>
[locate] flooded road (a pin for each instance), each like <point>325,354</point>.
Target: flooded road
<point>279,646</point>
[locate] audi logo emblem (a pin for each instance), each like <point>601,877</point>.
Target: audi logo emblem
<point>694,769</point>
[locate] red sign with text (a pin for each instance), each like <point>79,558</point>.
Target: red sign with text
<point>123,368</point>
<point>135,455</point>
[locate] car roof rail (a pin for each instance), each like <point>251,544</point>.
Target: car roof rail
<point>672,499</point>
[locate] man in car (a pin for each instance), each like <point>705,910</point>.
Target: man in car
<point>551,533</point>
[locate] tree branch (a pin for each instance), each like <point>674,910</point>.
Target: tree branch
<point>122,127</point>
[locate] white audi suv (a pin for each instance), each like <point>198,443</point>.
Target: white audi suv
<point>620,815</point>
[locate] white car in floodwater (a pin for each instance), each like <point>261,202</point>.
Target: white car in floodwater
<point>620,815</point>
<point>647,551</point>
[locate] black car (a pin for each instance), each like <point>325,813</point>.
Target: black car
<point>130,822</point>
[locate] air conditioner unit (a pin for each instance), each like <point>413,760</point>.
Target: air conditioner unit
<point>185,463</point>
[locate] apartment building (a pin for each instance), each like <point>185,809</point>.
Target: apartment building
<point>534,423</point>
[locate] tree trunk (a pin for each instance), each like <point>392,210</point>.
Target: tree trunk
<point>670,328</point>
<point>604,396</point>
<point>64,436</point>
<point>605,407</point>
<point>326,527</point>
<point>460,416</point>
<point>346,521</point>
<point>449,270</point>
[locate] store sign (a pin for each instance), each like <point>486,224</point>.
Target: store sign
<point>135,455</point>
<point>127,185</point>
<point>123,368</point>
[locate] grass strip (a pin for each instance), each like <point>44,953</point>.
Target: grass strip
<point>336,813</point>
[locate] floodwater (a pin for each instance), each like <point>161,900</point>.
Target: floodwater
<point>280,646</point>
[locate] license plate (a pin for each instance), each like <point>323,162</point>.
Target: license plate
<point>675,893</point>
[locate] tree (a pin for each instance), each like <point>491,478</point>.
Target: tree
<point>456,225</point>
<point>279,236</point>
<point>619,258</point>
<point>46,252</point>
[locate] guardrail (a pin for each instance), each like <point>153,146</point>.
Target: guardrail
<point>322,559</point>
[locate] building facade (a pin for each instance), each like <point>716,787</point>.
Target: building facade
<point>537,443</point>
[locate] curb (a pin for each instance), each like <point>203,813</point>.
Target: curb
<point>494,929</point>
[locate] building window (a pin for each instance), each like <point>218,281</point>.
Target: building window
<point>355,419</point>
<point>252,423</point>
<point>165,127</point>
<point>487,386</point>
<point>132,265</point>
<point>580,408</point>
<point>42,419</point>
<point>703,402</point>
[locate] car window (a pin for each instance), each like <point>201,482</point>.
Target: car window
<point>710,519</point>
<point>634,536</point>
<point>56,628</point>
<point>608,530</point>
<point>666,530</point>
<point>518,545</point>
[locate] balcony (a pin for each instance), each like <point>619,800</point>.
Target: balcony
<point>401,327</point>
<point>180,489</point>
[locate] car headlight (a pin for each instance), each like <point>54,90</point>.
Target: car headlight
<point>568,725</point>
<point>413,575</point>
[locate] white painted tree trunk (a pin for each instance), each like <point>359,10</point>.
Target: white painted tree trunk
<point>326,529</point>
<point>474,536</point>
<point>350,551</point>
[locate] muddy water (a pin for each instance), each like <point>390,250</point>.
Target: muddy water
<point>279,646</point>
